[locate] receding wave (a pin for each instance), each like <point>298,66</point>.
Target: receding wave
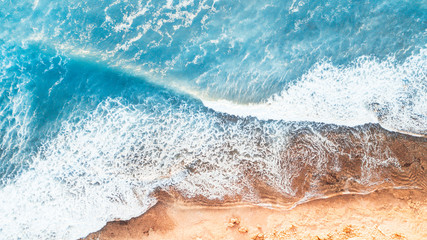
<point>107,165</point>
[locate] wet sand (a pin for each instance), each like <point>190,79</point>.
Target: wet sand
<point>386,214</point>
<point>393,204</point>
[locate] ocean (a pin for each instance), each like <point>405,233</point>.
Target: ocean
<point>103,103</point>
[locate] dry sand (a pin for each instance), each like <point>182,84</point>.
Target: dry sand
<point>386,214</point>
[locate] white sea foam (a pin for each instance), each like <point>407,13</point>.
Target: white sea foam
<point>77,182</point>
<point>106,165</point>
<point>366,91</point>
<point>15,115</point>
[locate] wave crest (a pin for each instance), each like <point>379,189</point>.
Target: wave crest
<point>367,91</point>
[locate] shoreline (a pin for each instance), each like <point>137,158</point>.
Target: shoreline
<point>335,203</point>
<point>382,214</point>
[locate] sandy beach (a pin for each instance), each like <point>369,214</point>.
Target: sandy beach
<point>395,208</point>
<point>386,214</point>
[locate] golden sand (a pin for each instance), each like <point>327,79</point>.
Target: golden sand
<point>386,214</point>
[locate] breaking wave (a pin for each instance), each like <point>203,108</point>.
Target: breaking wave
<point>366,91</point>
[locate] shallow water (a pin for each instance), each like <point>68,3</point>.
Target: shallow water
<point>102,103</point>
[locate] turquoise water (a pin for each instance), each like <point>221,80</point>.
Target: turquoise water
<point>101,102</point>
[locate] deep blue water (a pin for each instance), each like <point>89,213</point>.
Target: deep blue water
<point>103,101</point>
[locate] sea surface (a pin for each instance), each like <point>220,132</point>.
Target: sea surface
<point>104,102</point>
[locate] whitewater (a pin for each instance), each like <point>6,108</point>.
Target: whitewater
<point>102,103</point>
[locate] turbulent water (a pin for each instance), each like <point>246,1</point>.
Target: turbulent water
<point>103,102</point>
